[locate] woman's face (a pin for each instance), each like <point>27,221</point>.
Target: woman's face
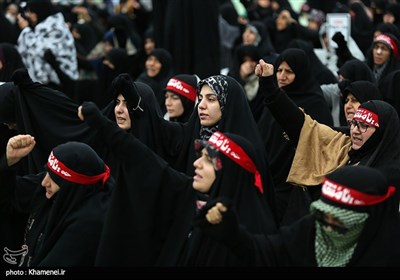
<point>50,185</point>
<point>153,66</point>
<point>381,53</point>
<point>282,21</point>
<point>173,104</point>
<point>149,45</point>
<point>249,37</point>
<point>285,75</point>
<point>351,105</point>
<point>360,133</point>
<point>209,109</point>
<point>204,172</point>
<point>121,112</point>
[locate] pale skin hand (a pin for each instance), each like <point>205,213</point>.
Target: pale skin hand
<point>264,69</point>
<point>214,215</point>
<point>18,147</point>
<point>80,115</point>
<point>22,23</point>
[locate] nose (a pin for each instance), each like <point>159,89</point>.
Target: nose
<point>45,181</point>
<point>202,104</point>
<point>197,163</point>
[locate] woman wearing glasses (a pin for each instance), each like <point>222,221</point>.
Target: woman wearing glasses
<point>374,136</point>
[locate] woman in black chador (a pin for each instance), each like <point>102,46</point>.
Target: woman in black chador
<point>355,223</point>
<point>67,203</point>
<point>156,211</point>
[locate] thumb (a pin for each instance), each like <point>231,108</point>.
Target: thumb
<point>221,208</point>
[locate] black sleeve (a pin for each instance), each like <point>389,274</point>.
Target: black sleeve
<point>16,193</point>
<point>252,249</point>
<point>284,110</point>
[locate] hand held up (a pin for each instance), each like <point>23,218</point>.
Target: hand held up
<point>264,69</point>
<point>18,147</point>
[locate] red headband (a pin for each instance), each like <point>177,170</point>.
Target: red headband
<point>64,172</point>
<point>366,116</point>
<point>352,197</point>
<point>182,88</point>
<point>236,153</point>
<point>388,41</point>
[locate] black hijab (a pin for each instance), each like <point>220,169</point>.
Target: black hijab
<point>383,147</point>
<point>82,204</point>
<point>377,244</point>
<point>237,185</point>
<point>159,82</point>
<point>143,114</point>
<point>11,60</point>
<point>389,88</point>
<point>47,114</point>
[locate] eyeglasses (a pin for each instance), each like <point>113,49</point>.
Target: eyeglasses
<point>363,127</point>
<point>213,153</point>
<point>319,217</point>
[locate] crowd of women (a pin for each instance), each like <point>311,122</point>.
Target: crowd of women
<point>111,158</point>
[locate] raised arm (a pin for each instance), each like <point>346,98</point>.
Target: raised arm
<point>18,147</point>
<point>284,110</point>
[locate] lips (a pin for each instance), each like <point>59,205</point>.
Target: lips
<point>203,116</point>
<point>197,177</point>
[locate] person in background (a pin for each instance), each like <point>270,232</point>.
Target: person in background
<point>180,97</point>
<point>45,29</point>
<point>351,71</point>
<point>383,57</point>
<point>158,70</point>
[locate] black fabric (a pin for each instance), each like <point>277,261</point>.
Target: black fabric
<point>11,60</point>
<point>159,82</point>
<point>237,185</point>
<point>361,26</point>
<point>390,88</point>
<point>188,105</point>
<point>356,70</point>
<point>383,147</point>
<point>392,64</point>
<point>353,70</point>
<point>321,73</point>
<point>65,229</point>
<point>12,222</point>
<point>192,39</point>
<point>175,143</point>
<point>304,90</point>
<point>279,143</point>
<point>47,114</point>
<point>156,212</point>
<point>295,245</point>
<point>43,8</point>
<point>244,53</point>
<point>144,121</point>
<point>363,91</point>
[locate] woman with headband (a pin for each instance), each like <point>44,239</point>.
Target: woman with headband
<point>67,204</point>
<point>355,223</point>
<point>160,206</point>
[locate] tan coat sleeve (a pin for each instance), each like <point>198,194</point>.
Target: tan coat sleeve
<point>320,151</point>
